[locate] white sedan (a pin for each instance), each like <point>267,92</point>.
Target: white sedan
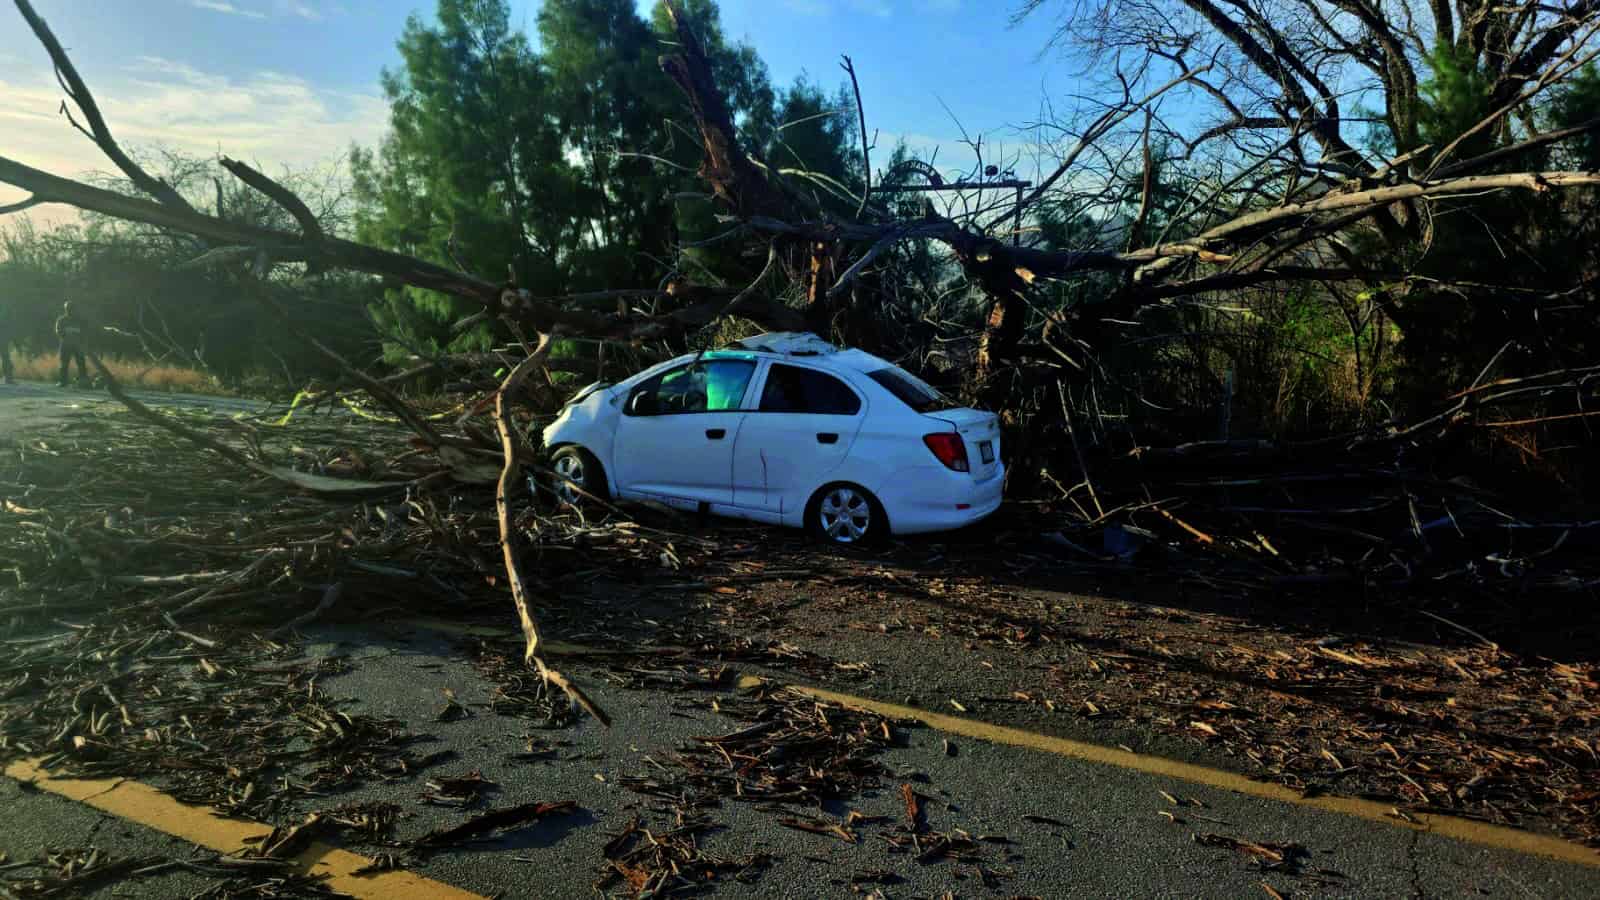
<point>788,429</point>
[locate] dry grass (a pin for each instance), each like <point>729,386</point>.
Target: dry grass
<point>131,372</point>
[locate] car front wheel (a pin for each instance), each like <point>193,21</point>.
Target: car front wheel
<point>846,515</point>
<point>578,476</point>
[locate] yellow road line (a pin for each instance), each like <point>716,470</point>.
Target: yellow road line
<point>144,805</point>
<point>1466,830</point>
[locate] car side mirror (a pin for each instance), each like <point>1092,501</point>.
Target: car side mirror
<point>642,403</point>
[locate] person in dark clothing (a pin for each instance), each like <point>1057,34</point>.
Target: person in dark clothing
<point>69,330</point>
<point>5,347</point>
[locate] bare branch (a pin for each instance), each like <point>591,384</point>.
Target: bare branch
<point>311,228</point>
<point>510,472</point>
<point>1375,199</point>
<point>1110,119</point>
<point>1485,160</point>
<point>19,206</point>
<point>850,274</point>
<point>101,133</point>
<point>747,293</point>
<point>866,148</point>
<point>1551,76</point>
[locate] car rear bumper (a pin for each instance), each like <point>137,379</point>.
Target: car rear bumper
<point>937,499</point>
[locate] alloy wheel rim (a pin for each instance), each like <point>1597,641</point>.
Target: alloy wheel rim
<point>571,474</point>
<point>846,515</point>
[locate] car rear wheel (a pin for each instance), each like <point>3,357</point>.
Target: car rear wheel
<point>578,476</point>
<point>846,515</point>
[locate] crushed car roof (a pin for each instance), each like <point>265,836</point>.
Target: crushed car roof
<point>806,344</point>
<point>790,343</point>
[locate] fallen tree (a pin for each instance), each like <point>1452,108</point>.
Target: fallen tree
<point>1302,235</point>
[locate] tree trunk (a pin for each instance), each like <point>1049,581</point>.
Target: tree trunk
<point>822,270</point>
<point>997,348</point>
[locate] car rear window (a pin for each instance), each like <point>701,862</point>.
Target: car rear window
<point>912,391</point>
<point>792,389</point>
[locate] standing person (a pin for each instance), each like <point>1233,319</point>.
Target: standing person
<point>5,344</point>
<point>69,329</point>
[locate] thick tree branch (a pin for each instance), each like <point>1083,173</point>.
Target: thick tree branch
<point>310,228</point>
<point>1227,281</point>
<point>510,539</point>
<point>744,187</point>
<point>243,241</point>
<point>1374,199</point>
<point>21,205</point>
<point>1483,161</point>
<point>1325,129</point>
<point>98,130</point>
<point>1531,61</point>
<point>280,246</point>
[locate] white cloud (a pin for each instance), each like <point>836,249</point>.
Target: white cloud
<point>299,10</point>
<point>880,8</point>
<point>306,10</point>
<point>227,8</point>
<point>154,70</point>
<point>267,117</point>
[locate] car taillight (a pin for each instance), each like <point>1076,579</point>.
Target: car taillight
<point>950,449</point>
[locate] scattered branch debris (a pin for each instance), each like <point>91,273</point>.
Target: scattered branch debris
<point>493,822</point>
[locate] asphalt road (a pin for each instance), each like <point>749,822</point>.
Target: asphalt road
<point>1111,840</point>
<point>1096,830</point>
<point>29,405</point>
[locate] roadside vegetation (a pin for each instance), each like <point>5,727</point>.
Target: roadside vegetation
<point>135,373</point>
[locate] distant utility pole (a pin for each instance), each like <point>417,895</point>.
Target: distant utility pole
<point>936,185</point>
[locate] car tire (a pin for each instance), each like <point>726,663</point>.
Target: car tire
<point>574,466</point>
<point>846,515</point>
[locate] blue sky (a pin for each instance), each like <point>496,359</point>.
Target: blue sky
<point>293,82</point>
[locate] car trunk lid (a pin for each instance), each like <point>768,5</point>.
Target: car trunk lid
<point>980,431</point>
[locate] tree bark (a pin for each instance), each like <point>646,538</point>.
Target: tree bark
<point>821,272</point>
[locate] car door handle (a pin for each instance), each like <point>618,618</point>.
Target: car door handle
<point>827,437</point>
<point>716,434</point>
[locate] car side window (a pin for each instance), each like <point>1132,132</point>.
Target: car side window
<point>792,389</point>
<point>715,385</point>
<point>725,382</point>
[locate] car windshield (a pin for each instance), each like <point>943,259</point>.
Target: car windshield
<point>912,391</point>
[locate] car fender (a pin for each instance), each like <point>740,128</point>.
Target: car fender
<point>590,424</point>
